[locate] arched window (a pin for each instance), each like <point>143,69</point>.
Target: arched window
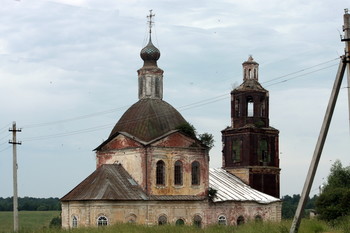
<point>240,220</point>
<point>258,218</point>
<point>102,221</point>
<point>162,220</point>
<point>197,221</point>
<point>250,106</point>
<point>237,108</point>
<point>160,173</point>
<point>131,218</point>
<point>180,222</point>
<point>74,222</point>
<point>222,220</point>
<point>178,173</point>
<point>195,173</point>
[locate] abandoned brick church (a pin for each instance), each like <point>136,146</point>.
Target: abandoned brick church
<point>150,172</point>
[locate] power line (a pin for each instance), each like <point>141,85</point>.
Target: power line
<point>183,108</point>
<point>296,72</point>
<point>75,118</point>
<point>5,148</point>
<point>8,134</point>
<point>4,129</point>
<point>286,80</point>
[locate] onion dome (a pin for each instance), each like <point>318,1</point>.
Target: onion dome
<point>150,54</point>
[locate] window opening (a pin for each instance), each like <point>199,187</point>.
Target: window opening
<point>237,108</point>
<point>258,218</point>
<point>250,107</point>
<point>131,218</point>
<point>178,173</point>
<point>236,150</point>
<point>75,222</point>
<point>197,221</point>
<point>180,222</point>
<point>262,110</point>
<point>240,220</point>
<point>222,220</point>
<point>162,220</point>
<point>102,221</point>
<point>157,87</point>
<point>263,149</point>
<point>160,173</point>
<point>195,173</point>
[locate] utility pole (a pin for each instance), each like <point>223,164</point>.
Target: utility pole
<point>15,167</point>
<point>344,62</point>
<point>346,39</point>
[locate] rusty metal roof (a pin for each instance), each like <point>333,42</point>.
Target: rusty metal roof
<point>250,85</point>
<point>113,182</point>
<point>108,182</point>
<point>176,198</point>
<point>148,119</point>
<point>231,188</point>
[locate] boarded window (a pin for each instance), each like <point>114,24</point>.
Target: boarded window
<point>258,218</point>
<point>237,108</point>
<point>160,173</point>
<point>236,150</point>
<point>197,221</point>
<point>162,220</point>
<point>195,173</point>
<point>263,151</point>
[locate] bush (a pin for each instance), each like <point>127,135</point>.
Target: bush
<point>56,222</point>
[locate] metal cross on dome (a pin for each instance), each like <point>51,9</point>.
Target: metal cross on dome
<point>150,22</point>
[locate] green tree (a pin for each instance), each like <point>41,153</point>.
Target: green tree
<point>207,139</point>
<point>188,129</point>
<point>334,201</point>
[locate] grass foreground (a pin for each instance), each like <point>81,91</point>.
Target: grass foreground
<point>32,220</point>
<point>38,222</point>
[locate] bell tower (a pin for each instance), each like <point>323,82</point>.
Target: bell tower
<point>250,144</point>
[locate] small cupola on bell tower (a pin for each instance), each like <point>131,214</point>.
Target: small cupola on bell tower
<point>150,76</point>
<point>250,69</point>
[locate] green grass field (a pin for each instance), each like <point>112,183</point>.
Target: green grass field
<point>38,222</point>
<point>28,220</point>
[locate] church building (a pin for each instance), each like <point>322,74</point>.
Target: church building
<point>151,172</point>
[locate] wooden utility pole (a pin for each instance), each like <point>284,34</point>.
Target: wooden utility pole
<point>15,167</point>
<point>325,126</point>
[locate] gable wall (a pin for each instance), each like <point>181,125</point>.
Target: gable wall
<point>169,156</point>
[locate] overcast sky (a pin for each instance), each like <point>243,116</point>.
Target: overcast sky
<point>68,72</point>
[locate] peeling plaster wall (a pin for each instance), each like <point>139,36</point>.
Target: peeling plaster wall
<point>169,156</point>
<point>125,151</point>
<point>140,162</point>
<point>148,212</point>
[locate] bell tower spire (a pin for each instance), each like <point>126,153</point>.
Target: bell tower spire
<point>150,76</point>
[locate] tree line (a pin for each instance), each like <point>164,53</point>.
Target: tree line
<point>30,203</point>
<point>333,202</point>
<point>290,204</point>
